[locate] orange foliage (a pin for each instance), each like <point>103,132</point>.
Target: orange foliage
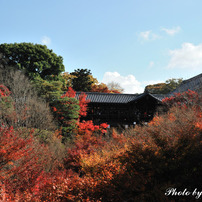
<point>88,139</point>
<point>102,88</point>
<point>138,165</point>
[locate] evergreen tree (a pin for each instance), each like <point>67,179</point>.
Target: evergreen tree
<point>82,80</point>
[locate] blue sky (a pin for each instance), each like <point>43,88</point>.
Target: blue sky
<point>132,42</point>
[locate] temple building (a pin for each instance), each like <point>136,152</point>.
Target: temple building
<point>129,109</point>
<point>121,109</point>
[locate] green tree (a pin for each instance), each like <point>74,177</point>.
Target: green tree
<point>164,88</point>
<point>172,84</point>
<point>66,111</point>
<point>34,59</point>
<point>66,79</point>
<point>50,90</point>
<point>82,80</point>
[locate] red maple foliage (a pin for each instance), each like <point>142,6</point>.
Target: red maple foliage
<point>137,165</point>
<point>83,103</point>
<point>185,99</point>
<point>70,93</point>
<point>4,92</point>
<point>21,163</point>
<point>89,138</point>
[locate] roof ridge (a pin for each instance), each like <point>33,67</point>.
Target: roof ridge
<point>191,83</point>
<point>192,78</point>
<point>101,93</point>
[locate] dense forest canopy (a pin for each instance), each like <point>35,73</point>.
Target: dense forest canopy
<point>34,59</point>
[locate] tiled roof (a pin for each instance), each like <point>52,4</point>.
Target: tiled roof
<point>96,97</point>
<point>194,83</point>
<point>108,97</point>
<point>159,96</point>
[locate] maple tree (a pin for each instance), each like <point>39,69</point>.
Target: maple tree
<point>89,137</point>
<point>187,99</point>
<point>21,162</point>
<point>137,165</point>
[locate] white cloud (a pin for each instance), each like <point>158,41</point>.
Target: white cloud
<point>188,56</point>
<point>148,35</point>
<point>172,31</point>
<point>129,83</point>
<point>145,35</point>
<point>46,40</point>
